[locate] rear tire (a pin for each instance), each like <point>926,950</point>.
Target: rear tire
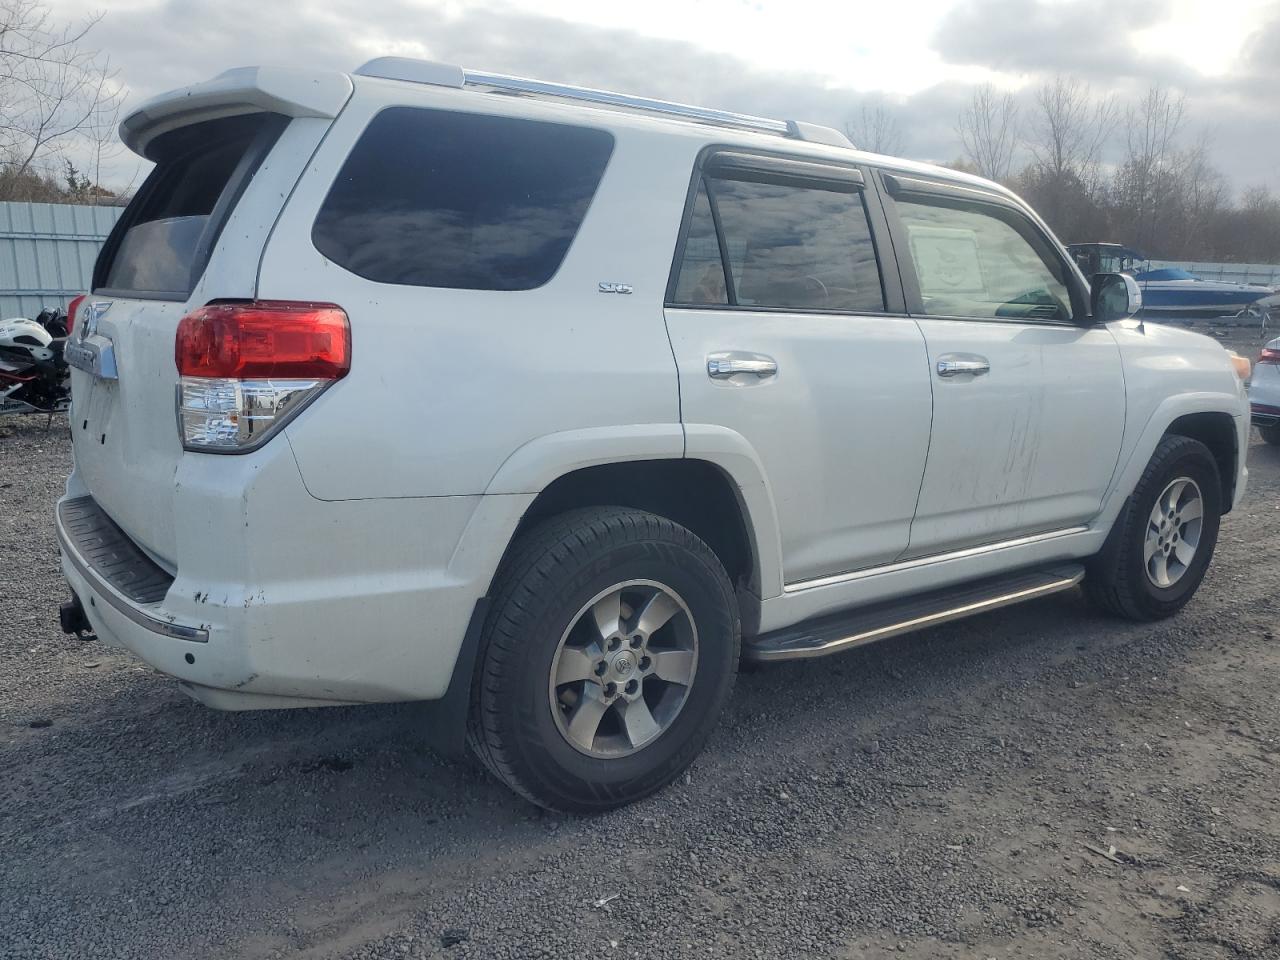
<point>1271,435</point>
<point>1154,559</point>
<point>605,661</point>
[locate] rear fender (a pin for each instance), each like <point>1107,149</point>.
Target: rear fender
<point>538,463</point>
<point>732,453</point>
<point>535,466</point>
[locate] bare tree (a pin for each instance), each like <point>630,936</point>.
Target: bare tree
<point>1148,173</point>
<point>1069,129</point>
<point>102,141</point>
<point>988,131</point>
<point>1197,196</point>
<point>53,90</point>
<point>875,129</point>
<point>1255,227</point>
<point>1065,136</point>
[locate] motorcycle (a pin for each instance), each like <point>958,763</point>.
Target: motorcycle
<point>54,320</point>
<point>34,377</point>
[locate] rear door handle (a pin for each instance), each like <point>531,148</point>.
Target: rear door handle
<point>730,363</point>
<point>955,364</point>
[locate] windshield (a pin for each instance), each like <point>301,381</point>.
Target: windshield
<point>1116,263</point>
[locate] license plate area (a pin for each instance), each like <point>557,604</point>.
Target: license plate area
<point>94,354</point>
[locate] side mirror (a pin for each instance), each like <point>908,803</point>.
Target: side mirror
<point>1114,296</point>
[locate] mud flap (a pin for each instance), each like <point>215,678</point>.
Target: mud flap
<point>447,717</point>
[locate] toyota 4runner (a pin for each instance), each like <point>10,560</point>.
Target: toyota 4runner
<point>550,405</point>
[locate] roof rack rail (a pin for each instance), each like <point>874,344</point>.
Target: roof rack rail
<point>439,74</point>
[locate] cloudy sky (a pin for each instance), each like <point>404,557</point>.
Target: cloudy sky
<point>801,59</point>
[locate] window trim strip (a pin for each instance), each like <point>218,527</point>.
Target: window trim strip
<point>735,165</point>
<point>898,185</point>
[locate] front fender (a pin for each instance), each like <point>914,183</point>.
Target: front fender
<point>1139,453</point>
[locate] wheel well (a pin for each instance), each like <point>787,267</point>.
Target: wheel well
<point>1217,431</point>
<point>693,493</point>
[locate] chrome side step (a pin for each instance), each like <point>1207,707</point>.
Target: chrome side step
<point>843,631</point>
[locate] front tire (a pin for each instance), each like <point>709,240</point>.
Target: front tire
<point>605,661</point>
<point>1271,435</point>
<point>1161,543</point>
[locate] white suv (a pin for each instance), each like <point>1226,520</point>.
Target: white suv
<point>550,404</point>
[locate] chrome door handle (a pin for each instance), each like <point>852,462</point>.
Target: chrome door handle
<point>954,364</point>
<point>722,366</point>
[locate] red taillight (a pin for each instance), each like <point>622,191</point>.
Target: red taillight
<point>246,369</point>
<point>1268,355</point>
<point>264,339</point>
<point>72,307</point>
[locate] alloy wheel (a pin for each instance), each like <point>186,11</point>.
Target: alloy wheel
<point>623,669</point>
<point>1173,532</point>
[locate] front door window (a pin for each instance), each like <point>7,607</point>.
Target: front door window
<point>979,260</point>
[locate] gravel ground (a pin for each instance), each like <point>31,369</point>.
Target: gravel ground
<point>1037,782</point>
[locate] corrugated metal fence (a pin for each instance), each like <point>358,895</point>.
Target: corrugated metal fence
<point>47,252</point>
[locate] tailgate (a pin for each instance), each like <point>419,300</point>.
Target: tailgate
<point>193,233</point>
<point>125,439</point>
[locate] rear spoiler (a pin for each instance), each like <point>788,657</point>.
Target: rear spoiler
<point>293,93</point>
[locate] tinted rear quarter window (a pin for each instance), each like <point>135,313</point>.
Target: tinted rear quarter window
<point>438,198</point>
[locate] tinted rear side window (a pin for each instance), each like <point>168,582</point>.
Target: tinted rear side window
<point>798,247</point>
<point>786,246</point>
<point>436,198</point>
<point>702,269</point>
<point>161,244</point>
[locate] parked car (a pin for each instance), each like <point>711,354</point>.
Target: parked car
<point>1264,393</point>
<point>549,405</point>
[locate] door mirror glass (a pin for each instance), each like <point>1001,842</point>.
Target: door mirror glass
<point>1115,296</point>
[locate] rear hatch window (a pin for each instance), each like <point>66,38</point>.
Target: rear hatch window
<point>436,198</point>
<point>161,245</point>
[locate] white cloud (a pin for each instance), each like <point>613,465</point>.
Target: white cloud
<point>808,59</point>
